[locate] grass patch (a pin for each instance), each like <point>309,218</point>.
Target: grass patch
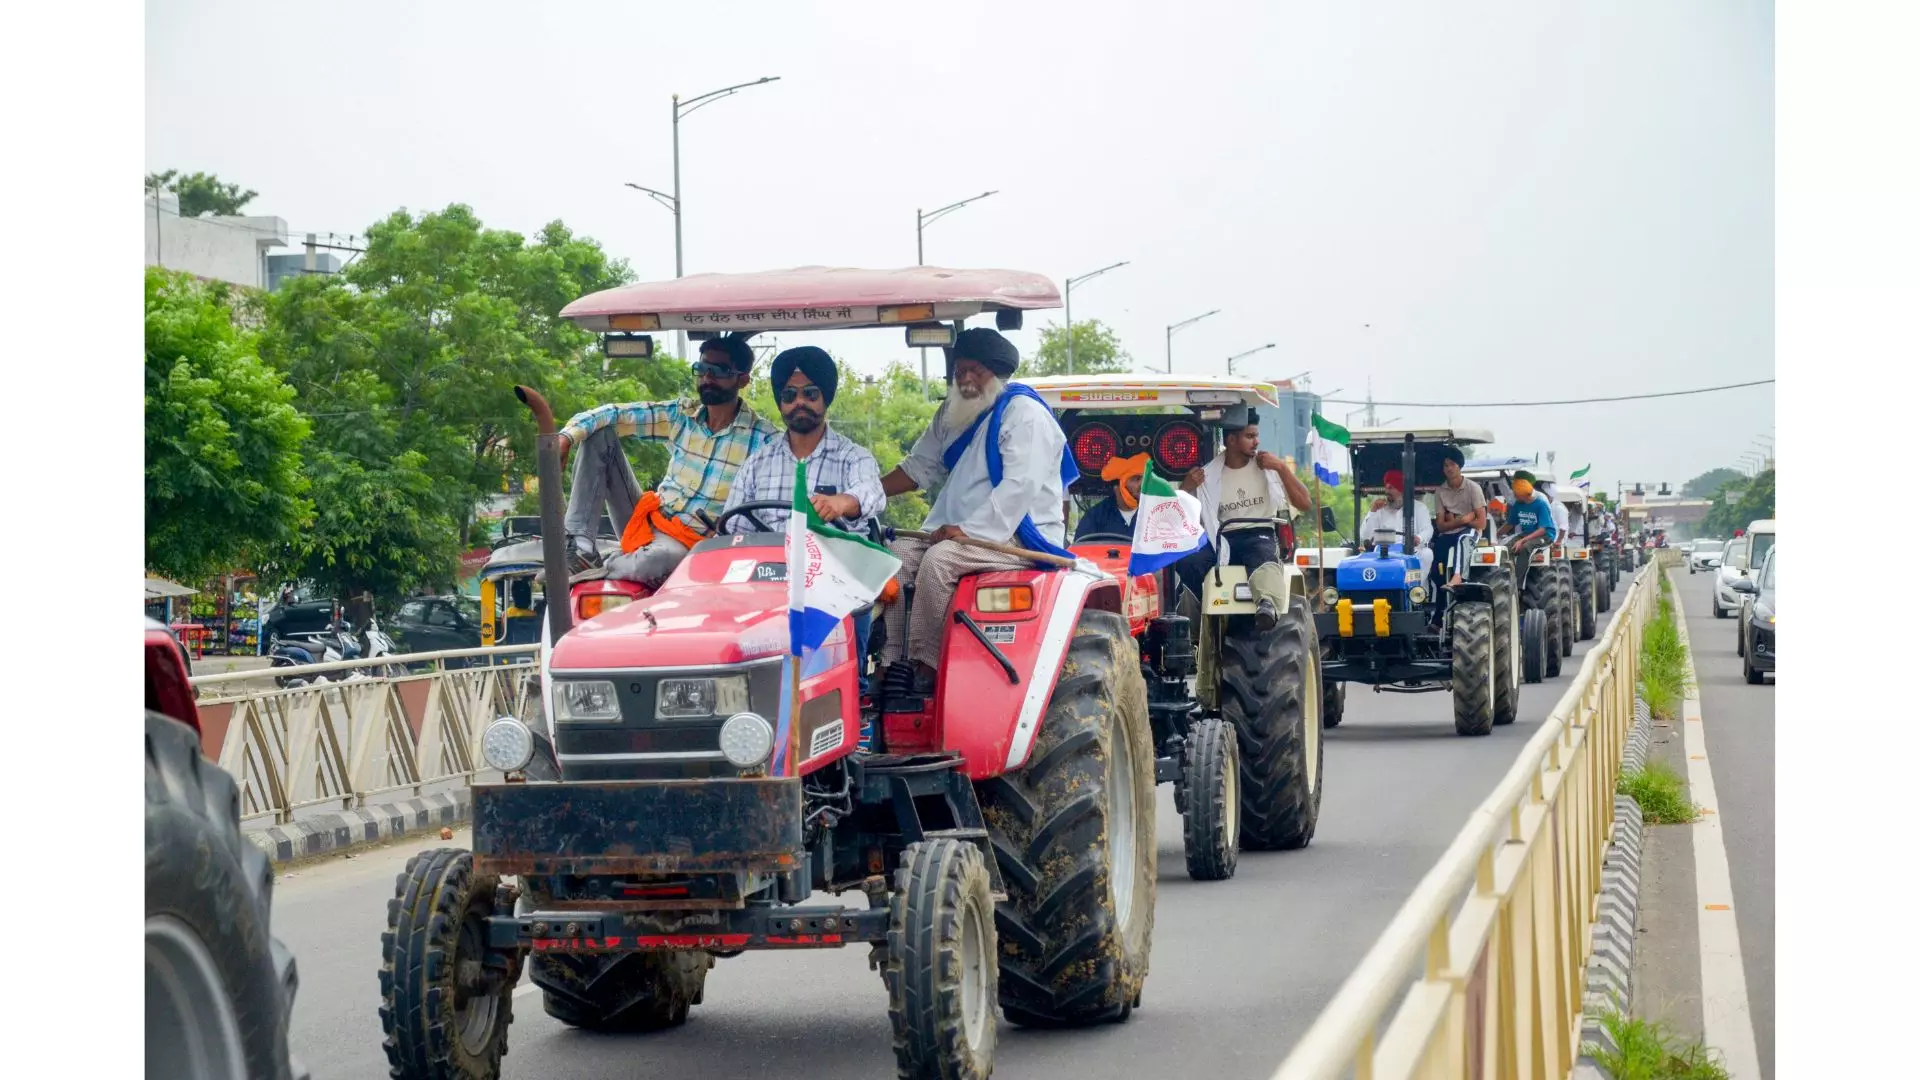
<point>1650,1052</point>
<point>1661,793</point>
<point>1663,660</point>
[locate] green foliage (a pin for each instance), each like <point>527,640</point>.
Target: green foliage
<point>886,414</point>
<point>223,439</point>
<point>1649,1051</point>
<point>1709,483</point>
<point>376,528</point>
<point>1736,508</point>
<point>1663,659</point>
<point>1096,349</point>
<point>1661,793</point>
<point>201,193</point>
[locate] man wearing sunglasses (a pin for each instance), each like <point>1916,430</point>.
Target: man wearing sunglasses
<point>707,442</point>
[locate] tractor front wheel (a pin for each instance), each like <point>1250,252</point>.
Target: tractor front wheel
<point>1473,671</point>
<point>1270,692</point>
<point>444,1006</point>
<point>1533,644</point>
<point>1506,646</point>
<point>1073,832</point>
<point>941,975</point>
<point>1210,774</point>
<point>1333,703</point>
<point>1583,588</point>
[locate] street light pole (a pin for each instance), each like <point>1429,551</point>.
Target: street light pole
<point>1071,282</point>
<point>1244,355</point>
<point>922,219</point>
<point>1181,326</point>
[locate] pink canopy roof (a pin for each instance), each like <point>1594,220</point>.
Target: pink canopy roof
<point>819,297</point>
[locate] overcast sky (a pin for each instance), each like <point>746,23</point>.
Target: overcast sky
<point>1460,203</point>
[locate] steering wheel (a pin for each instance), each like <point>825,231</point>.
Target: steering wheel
<point>1098,537</point>
<point>746,510</point>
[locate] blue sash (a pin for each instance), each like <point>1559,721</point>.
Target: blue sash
<point>1028,534</point>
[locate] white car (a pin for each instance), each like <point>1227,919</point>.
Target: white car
<point>1733,567</point>
<point>1704,556</point>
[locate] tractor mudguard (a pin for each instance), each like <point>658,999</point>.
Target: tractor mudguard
<point>988,713</point>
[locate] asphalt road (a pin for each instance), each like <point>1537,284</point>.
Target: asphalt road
<point>1240,968</point>
<point>1739,732</point>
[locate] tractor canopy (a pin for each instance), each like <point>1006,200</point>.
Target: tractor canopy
<point>1378,451</point>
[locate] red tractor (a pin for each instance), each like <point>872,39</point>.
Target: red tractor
<point>219,987</point>
<point>664,811</point>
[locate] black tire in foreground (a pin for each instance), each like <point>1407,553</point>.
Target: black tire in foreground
<point>1533,645</point>
<point>219,988</point>
<point>1473,675</point>
<point>1333,703</point>
<point>1569,609</point>
<point>941,971</point>
<point>444,1012</point>
<point>1210,773</point>
<point>1583,590</point>
<point>1073,832</point>
<point>1270,692</point>
<point>1543,595</point>
<point>1506,646</point>
<point>630,992</point>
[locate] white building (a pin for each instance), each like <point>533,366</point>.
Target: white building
<point>230,249</point>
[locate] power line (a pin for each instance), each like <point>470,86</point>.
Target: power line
<point>1529,404</point>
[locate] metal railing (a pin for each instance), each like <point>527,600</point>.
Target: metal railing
<point>1487,958</point>
<point>366,732</point>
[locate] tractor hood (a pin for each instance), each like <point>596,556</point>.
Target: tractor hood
<point>724,604</point>
<point>1368,572</point>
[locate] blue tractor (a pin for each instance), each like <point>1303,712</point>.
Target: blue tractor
<point>1382,623</point>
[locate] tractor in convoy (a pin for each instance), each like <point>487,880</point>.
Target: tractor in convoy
<point>1380,622</point>
<point>1242,746</point>
<point>1547,587</point>
<point>662,811</point>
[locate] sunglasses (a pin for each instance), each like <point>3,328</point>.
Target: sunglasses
<point>791,394</point>
<point>718,371</point>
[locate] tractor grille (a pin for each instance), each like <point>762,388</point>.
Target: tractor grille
<point>1396,601</point>
<point>642,746</point>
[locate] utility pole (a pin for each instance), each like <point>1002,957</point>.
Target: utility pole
<point>922,219</point>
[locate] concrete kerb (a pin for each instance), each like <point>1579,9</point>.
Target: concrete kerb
<point>1609,975</point>
<point>340,832</point>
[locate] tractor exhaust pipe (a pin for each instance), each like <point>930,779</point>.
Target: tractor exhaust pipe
<point>553,524</point>
<point>1409,543</point>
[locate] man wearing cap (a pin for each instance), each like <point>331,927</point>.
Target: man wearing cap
<point>1388,518</point>
<point>1242,491</point>
<point>1113,515</point>
<point>1528,524</point>
<point>1004,461</point>
<point>708,440</point>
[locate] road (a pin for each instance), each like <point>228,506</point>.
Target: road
<point>1240,968</point>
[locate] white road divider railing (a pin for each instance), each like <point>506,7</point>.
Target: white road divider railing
<point>1487,959</point>
<point>384,727</point>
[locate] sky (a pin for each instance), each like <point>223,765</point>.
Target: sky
<point>1448,204</point>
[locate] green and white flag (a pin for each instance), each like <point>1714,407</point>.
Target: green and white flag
<point>1580,472</point>
<point>1329,447</point>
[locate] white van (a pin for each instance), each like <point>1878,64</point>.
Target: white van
<point>1759,542</point>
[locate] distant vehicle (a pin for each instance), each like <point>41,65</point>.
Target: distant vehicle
<point>1733,567</point>
<point>1759,536</point>
<point>301,618</point>
<point>1704,556</point>
<point>1756,629</point>
<point>437,623</point>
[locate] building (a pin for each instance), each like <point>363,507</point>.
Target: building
<point>229,249</point>
<point>1286,432</point>
<point>281,268</point>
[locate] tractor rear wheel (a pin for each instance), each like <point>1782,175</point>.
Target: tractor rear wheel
<point>1569,609</point>
<point>1583,588</point>
<point>1210,773</point>
<point>1270,692</point>
<point>1543,595</point>
<point>445,1013</point>
<point>1073,833</point>
<point>641,991</point>
<point>1506,645</point>
<point>942,979</point>
<point>1603,589</point>
<point>1473,672</point>
<point>1533,644</point>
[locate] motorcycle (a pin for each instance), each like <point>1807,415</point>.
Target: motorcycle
<point>336,644</point>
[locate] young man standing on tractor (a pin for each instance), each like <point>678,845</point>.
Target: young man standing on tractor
<point>843,474</point>
<point>1113,516</point>
<point>1241,493</point>
<point>707,442</point>
<point>1005,464</point>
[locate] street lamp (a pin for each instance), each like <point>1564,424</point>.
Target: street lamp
<point>922,219</point>
<point>1071,282</point>
<point>1249,352</point>
<point>673,202</point>
<point>1181,326</point>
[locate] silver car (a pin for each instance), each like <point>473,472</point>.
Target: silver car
<point>1733,567</point>
<point>1704,556</point>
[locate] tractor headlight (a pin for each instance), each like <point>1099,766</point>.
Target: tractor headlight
<point>1330,597</point>
<point>746,739</point>
<point>1417,594</point>
<point>507,745</point>
<point>683,699</point>
<point>585,701</point>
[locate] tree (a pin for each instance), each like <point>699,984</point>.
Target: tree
<point>201,193</point>
<point>1096,349</point>
<point>1736,510</point>
<point>1710,482</point>
<point>376,528</point>
<point>223,439</point>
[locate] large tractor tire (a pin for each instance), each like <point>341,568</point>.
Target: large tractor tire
<point>219,987</point>
<point>1073,832</point>
<point>1270,692</point>
<point>1533,645</point>
<point>1506,646</point>
<point>1473,670</point>
<point>1569,608</point>
<point>1603,590</point>
<point>1333,703</point>
<point>1210,776</point>
<point>942,982</point>
<point>1583,589</point>
<point>629,992</point>
<point>1543,595</point>
<point>444,1013</point>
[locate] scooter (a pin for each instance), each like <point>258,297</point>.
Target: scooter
<point>333,646</point>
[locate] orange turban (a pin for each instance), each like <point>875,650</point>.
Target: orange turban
<point>1117,472</point>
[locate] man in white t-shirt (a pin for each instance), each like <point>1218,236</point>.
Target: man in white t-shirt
<point>1387,518</point>
<point>1242,493</point>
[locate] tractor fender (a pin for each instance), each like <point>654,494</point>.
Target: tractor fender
<point>983,713</point>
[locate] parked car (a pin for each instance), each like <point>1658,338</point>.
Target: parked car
<point>1733,567</point>
<point>302,618</point>
<point>1704,556</point>
<point>1756,629</point>
<point>436,623</point>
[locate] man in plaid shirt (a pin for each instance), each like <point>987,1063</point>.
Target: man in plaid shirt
<point>708,443</point>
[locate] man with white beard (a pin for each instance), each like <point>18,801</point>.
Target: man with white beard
<point>1004,461</point>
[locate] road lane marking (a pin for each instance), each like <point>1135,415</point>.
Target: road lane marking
<point>1727,1017</point>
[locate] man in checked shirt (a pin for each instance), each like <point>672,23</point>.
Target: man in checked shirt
<point>843,474</point>
<point>708,441</point>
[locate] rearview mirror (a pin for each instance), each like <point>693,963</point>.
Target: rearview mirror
<point>1744,585</point>
<point>1328,523</point>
